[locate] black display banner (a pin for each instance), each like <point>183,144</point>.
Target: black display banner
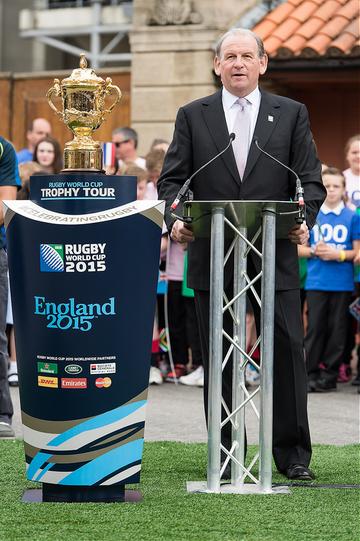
<point>83,293</point>
<point>82,192</point>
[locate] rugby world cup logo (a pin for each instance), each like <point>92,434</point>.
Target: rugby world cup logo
<point>51,258</point>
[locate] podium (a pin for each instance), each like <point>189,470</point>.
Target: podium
<point>83,293</point>
<point>241,224</point>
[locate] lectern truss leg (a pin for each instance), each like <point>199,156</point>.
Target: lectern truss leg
<point>242,351</point>
<point>244,290</point>
<point>250,243</point>
<point>230,456</point>
<point>227,356</point>
<point>237,353</point>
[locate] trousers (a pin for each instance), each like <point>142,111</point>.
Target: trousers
<point>6,407</point>
<point>291,436</point>
<point>325,338</point>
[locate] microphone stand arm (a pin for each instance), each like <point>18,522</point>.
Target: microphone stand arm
<point>185,189</point>
<point>299,190</point>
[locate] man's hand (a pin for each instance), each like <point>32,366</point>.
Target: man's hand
<point>181,232</point>
<point>299,234</point>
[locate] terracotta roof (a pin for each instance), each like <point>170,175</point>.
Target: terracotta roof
<point>312,28</point>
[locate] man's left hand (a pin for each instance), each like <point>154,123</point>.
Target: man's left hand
<point>299,234</point>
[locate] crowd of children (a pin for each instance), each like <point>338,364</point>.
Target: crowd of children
<point>330,277</point>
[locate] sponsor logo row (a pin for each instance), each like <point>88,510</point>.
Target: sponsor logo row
<point>76,369</point>
<point>72,383</point>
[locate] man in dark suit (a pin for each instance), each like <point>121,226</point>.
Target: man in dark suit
<point>243,173</point>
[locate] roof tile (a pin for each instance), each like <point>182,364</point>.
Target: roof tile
<point>265,28</point>
<point>304,11</point>
<point>286,29</point>
<point>280,13</point>
<point>353,28</point>
<point>334,27</point>
<point>312,28</point>
<point>327,9</point>
<point>316,45</point>
<point>346,41</point>
<point>355,51</point>
<point>272,44</point>
<point>294,45</point>
<point>350,9</point>
<point>340,45</point>
<point>284,52</point>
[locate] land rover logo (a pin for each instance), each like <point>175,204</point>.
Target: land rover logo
<point>73,369</point>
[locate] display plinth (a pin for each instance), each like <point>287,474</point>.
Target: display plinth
<point>82,496</point>
<point>83,293</point>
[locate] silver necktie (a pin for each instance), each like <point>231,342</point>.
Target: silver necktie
<point>242,131</point>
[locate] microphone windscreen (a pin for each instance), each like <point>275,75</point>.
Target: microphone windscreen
<point>232,136</point>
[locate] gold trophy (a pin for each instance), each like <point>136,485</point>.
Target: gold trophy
<point>83,97</point>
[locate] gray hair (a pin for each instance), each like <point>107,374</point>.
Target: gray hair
<point>127,133</point>
<point>240,32</point>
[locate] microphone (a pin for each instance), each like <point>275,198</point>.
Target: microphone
<point>186,186</point>
<point>299,190</point>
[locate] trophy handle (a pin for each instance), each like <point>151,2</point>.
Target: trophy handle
<point>108,90</point>
<point>56,89</point>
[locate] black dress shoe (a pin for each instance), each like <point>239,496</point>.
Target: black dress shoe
<point>311,386</point>
<point>324,385</point>
<point>298,472</point>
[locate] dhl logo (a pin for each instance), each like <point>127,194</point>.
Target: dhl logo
<point>44,381</point>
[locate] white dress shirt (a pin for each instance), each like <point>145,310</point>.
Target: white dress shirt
<point>231,107</point>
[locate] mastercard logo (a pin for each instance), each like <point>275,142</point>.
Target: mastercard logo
<point>103,383</point>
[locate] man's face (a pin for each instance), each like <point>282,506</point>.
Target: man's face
<point>239,64</point>
<point>41,128</point>
<point>124,148</point>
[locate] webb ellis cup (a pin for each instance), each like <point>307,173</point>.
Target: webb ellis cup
<point>83,97</point>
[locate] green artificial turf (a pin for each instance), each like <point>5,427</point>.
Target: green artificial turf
<point>168,512</point>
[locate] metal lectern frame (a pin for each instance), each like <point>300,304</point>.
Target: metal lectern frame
<point>245,221</point>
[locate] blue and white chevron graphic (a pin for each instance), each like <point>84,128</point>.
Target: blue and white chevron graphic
<point>103,450</point>
<point>51,258</point>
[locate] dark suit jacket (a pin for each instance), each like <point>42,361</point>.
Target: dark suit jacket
<point>283,130</point>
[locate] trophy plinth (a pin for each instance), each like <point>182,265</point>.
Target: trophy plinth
<point>83,97</point>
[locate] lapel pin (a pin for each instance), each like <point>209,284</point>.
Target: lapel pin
<point>270,118</point>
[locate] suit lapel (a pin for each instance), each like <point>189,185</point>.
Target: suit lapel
<point>269,114</point>
<point>214,117</point>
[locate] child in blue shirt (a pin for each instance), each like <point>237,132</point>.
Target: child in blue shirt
<point>329,283</point>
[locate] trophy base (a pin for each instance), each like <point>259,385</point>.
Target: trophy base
<point>82,159</point>
<point>87,170</point>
